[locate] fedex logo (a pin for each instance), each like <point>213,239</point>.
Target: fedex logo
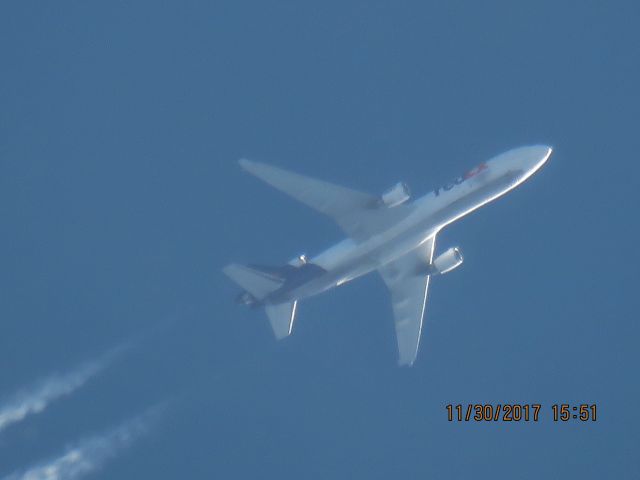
<point>471,173</point>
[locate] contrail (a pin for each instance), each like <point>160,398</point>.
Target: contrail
<point>91,453</point>
<point>36,397</point>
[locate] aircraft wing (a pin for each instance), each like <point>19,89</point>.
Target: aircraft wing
<point>357,213</point>
<point>408,285</point>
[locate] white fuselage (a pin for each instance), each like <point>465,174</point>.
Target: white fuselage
<point>349,259</point>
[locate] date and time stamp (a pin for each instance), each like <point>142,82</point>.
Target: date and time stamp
<point>521,412</point>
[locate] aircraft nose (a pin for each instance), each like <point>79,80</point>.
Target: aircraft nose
<point>539,155</point>
<point>535,156</point>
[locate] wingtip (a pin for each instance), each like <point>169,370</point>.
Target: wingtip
<point>251,166</point>
<point>228,269</point>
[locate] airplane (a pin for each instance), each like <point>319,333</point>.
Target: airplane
<point>388,233</point>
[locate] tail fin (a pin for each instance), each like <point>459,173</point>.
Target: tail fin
<point>256,282</point>
<point>260,283</point>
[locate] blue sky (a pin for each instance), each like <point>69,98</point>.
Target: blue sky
<point>121,199</point>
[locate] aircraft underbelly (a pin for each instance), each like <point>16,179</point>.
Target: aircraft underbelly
<point>360,259</point>
<point>364,259</point>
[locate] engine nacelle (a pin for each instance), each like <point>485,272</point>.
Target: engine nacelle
<point>447,261</point>
<point>396,195</point>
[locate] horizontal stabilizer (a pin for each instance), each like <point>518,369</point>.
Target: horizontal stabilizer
<point>281,318</point>
<point>256,282</point>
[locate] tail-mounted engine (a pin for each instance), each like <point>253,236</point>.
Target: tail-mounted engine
<point>299,261</point>
<point>396,195</point>
<point>447,261</point>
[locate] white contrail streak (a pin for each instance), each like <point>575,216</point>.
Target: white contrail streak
<point>91,453</point>
<point>36,397</point>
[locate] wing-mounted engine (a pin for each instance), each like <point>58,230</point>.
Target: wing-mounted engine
<point>447,261</point>
<point>396,195</point>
